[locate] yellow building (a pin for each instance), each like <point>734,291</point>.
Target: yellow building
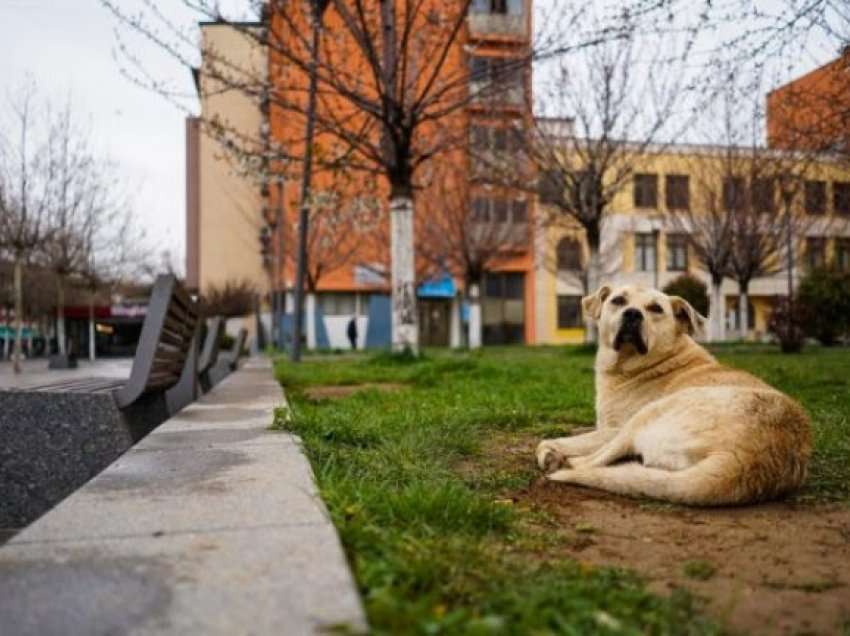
<point>644,240</point>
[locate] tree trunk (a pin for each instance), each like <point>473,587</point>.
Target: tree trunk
<point>743,311</point>
<point>474,316</point>
<point>717,311</point>
<point>592,283</point>
<point>91,329</point>
<point>60,316</point>
<point>311,320</point>
<point>306,177</point>
<point>455,337</point>
<point>405,331</point>
<point>19,312</point>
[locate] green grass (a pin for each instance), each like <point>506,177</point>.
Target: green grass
<point>434,545</point>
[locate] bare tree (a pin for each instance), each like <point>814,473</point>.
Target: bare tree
<point>467,234</point>
<point>389,88</point>
<point>115,249</point>
<point>25,193</point>
<point>745,224</point>
<point>342,231</point>
<point>615,103</point>
<point>75,206</point>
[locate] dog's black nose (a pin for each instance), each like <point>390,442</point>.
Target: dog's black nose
<point>632,315</point>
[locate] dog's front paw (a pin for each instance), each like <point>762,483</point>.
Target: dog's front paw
<point>549,458</point>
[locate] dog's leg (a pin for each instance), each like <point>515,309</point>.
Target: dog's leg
<point>621,446</point>
<point>701,484</point>
<point>553,453</point>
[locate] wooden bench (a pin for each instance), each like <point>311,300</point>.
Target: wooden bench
<point>228,361</point>
<point>54,438</point>
<point>209,354</point>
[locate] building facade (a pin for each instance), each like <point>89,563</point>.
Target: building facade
<point>813,111</point>
<point>645,239</point>
<point>490,54</point>
<point>223,193</point>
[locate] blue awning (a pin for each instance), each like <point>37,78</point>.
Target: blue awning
<point>443,287</point>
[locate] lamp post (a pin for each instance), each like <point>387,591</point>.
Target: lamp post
<point>278,293</point>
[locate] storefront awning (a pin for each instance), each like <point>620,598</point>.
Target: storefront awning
<point>443,287</point>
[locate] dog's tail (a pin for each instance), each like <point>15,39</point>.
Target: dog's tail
<point>706,483</point>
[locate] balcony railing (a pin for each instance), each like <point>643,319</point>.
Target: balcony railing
<point>487,92</point>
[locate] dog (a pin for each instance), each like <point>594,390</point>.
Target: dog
<point>672,422</point>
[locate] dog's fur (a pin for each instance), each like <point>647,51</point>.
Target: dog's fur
<point>672,423</point>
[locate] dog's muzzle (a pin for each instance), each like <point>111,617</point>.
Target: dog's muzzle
<point>631,332</point>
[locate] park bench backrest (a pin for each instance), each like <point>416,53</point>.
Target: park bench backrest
<point>212,345</point>
<point>238,346</point>
<point>165,343</point>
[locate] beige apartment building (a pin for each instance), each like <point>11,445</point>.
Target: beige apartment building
<point>224,203</point>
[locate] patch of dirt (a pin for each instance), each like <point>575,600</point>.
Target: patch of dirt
<point>339,391</point>
<point>779,568</point>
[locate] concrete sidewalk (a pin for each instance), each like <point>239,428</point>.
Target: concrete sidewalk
<point>36,373</point>
<point>210,525</point>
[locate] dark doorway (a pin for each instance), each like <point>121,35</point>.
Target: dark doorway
<point>503,308</point>
<point>434,316</point>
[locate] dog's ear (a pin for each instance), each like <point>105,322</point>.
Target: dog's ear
<point>687,318</point>
<point>591,306</point>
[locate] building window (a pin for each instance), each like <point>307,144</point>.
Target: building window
<point>815,193</point>
<point>815,252</point>
<point>677,252</point>
<point>497,7</point>
<point>645,252</point>
<point>520,209</point>
<point>497,77</point>
<point>486,210</point>
<point>764,198</point>
<point>338,303</point>
<point>842,254</point>
<point>677,192</point>
<point>569,254</point>
<point>551,187</point>
<point>569,312</point>
<point>481,210</point>
<point>503,308</point>
<point>734,193</point>
<point>841,197</point>
<point>646,191</point>
<point>495,139</point>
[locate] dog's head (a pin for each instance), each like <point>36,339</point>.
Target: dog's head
<point>639,321</point>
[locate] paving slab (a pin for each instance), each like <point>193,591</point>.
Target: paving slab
<point>35,372</point>
<point>212,524</point>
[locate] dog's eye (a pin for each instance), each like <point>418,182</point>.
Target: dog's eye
<point>619,301</point>
<point>655,308</point>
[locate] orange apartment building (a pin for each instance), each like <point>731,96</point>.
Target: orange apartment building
<point>813,111</point>
<point>229,209</point>
<point>496,34</point>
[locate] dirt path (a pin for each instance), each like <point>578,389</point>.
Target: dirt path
<point>780,568</point>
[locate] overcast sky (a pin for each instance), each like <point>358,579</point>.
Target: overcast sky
<point>67,47</point>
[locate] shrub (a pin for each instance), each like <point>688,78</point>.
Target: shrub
<point>787,323</point>
<point>691,289</point>
<point>825,295</point>
<point>233,298</point>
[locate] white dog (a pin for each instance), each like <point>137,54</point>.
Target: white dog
<point>672,423</point>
